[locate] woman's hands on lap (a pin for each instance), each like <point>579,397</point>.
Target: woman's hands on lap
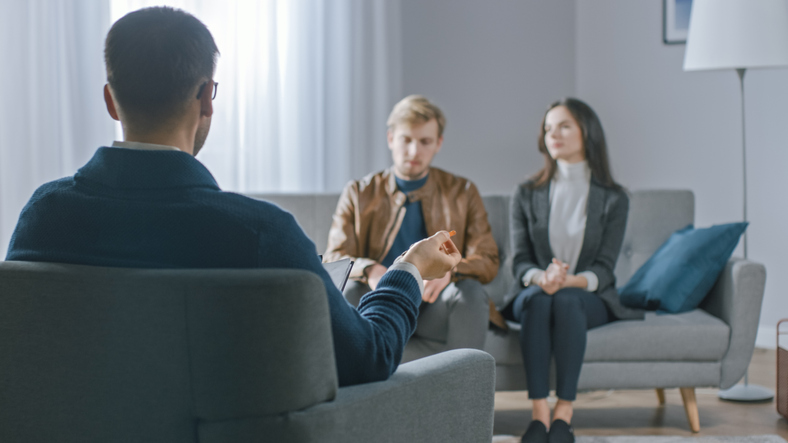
<point>554,277</point>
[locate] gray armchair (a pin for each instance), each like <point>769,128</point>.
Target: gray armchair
<point>93,354</point>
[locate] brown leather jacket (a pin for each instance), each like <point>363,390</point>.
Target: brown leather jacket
<point>370,212</point>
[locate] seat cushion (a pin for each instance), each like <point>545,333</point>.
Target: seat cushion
<point>689,336</point>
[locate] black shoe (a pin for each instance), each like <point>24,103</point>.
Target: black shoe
<point>536,433</point>
<point>561,432</point>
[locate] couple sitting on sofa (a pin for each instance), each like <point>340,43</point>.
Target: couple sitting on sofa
<point>568,225</point>
<point>147,202</point>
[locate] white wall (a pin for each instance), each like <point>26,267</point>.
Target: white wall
<point>493,67</point>
<point>673,129</point>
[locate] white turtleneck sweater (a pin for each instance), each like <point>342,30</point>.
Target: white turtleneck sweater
<point>568,212</point>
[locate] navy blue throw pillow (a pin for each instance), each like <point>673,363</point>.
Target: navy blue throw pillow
<point>682,271</point>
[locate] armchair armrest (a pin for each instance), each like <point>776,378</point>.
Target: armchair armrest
<point>443,397</point>
<point>736,299</point>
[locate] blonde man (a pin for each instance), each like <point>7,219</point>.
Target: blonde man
<point>379,216</point>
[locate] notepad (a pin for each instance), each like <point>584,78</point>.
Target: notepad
<point>339,271</point>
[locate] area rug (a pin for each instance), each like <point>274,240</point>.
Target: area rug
<point>669,439</point>
<point>660,439</point>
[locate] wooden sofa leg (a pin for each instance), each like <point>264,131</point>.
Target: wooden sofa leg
<point>691,407</point>
<point>661,396</point>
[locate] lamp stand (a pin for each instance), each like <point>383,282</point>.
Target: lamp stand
<point>745,392</point>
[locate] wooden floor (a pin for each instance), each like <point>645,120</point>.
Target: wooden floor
<point>639,413</point>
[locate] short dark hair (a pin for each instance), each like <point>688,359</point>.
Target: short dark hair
<point>594,144</point>
<point>155,57</point>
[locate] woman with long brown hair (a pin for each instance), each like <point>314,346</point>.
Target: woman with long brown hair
<point>567,226</point>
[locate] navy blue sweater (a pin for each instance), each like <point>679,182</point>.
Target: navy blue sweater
<point>413,227</point>
<point>163,209</point>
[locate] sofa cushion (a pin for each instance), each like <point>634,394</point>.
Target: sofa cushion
<point>689,336</point>
<point>682,271</point>
<point>313,212</point>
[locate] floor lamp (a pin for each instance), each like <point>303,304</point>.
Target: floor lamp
<point>738,34</point>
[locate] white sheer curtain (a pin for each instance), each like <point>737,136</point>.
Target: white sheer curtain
<point>52,113</point>
<point>305,89</point>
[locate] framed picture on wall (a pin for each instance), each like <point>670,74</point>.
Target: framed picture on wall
<point>675,21</point>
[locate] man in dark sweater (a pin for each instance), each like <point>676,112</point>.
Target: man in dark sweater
<point>147,202</point>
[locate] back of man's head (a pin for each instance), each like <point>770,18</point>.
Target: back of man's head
<point>155,58</point>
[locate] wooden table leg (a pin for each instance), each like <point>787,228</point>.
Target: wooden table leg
<point>691,407</point>
<point>661,395</point>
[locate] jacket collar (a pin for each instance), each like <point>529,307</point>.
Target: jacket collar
<point>541,215</point>
<point>419,194</point>
<point>122,168</point>
<point>391,181</point>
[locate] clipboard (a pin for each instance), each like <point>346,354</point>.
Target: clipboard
<point>339,271</point>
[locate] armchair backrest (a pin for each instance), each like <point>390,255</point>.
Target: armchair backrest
<point>109,354</point>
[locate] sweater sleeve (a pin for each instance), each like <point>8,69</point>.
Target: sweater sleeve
<point>532,276</point>
<point>592,279</point>
<point>369,340</point>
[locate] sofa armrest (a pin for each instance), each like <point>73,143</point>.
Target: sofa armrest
<point>444,397</point>
<point>736,299</point>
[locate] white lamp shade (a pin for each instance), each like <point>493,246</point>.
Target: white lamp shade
<point>731,34</point>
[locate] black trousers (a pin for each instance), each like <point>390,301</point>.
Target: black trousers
<point>555,325</point>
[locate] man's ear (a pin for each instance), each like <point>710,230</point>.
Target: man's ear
<point>390,138</point>
<point>110,103</point>
<point>206,100</point>
<point>439,143</point>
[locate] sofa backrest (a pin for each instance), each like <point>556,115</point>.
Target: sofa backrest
<point>102,354</point>
<point>313,212</point>
<point>653,216</point>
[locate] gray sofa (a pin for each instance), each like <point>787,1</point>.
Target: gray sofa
<point>707,347</point>
<point>121,355</point>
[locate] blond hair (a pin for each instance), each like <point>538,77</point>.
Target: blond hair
<point>416,109</point>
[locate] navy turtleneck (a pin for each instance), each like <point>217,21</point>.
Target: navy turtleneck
<point>413,228</point>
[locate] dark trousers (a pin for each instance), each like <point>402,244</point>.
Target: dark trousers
<point>555,325</point>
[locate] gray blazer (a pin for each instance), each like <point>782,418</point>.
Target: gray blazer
<point>605,225</point>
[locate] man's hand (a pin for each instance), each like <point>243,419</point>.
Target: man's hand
<point>374,274</point>
<point>554,277</point>
<point>433,256</point>
<point>433,288</point>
